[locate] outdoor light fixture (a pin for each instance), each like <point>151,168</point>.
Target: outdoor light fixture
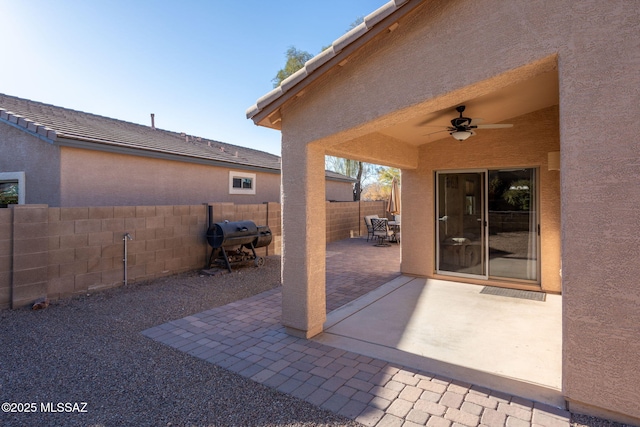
<point>461,135</point>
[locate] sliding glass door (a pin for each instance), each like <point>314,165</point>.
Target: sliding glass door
<point>461,224</point>
<point>487,224</point>
<point>513,224</point>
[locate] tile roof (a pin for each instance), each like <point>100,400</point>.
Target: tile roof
<point>265,102</point>
<point>338,176</point>
<point>59,125</point>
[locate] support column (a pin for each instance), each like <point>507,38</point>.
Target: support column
<point>304,239</point>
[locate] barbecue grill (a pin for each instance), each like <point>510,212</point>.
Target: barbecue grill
<point>236,242</point>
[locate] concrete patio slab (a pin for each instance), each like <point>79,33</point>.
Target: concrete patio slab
<point>449,328</point>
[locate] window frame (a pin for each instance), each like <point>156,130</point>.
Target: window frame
<point>20,178</point>
<point>242,175</point>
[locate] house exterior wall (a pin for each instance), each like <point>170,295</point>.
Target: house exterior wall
<point>600,199</point>
<point>339,191</point>
<point>40,160</point>
<point>67,177</point>
<point>526,145</point>
<point>433,61</point>
<point>96,178</point>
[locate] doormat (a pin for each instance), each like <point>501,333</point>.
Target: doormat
<point>513,293</point>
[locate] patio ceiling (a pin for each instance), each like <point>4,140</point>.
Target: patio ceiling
<point>499,106</point>
<point>393,139</point>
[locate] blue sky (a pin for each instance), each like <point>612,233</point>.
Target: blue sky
<point>197,65</point>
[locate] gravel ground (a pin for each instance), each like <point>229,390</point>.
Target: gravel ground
<point>89,349</point>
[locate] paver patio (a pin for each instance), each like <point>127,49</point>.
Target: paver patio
<point>246,337</point>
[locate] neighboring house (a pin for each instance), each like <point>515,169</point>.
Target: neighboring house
<point>565,179</point>
<point>338,186</point>
<point>67,158</point>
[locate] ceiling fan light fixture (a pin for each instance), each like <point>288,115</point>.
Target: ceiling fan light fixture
<point>461,135</point>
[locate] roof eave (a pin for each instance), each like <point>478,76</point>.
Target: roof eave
<point>266,111</point>
<point>348,180</point>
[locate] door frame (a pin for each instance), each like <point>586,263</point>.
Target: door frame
<point>485,219</point>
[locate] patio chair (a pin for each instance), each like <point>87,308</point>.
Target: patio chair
<point>395,228</point>
<point>381,231</point>
<point>367,222</point>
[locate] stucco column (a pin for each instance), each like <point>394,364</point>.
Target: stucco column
<point>304,238</point>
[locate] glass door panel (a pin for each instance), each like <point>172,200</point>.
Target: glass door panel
<point>461,224</point>
<point>513,224</point>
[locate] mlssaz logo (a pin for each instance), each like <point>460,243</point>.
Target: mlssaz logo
<point>63,407</point>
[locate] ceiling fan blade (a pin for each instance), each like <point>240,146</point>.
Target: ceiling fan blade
<point>476,121</point>
<point>424,122</point>
<point>436,116</point>
<point>494,126</point>
<point>432,133</point>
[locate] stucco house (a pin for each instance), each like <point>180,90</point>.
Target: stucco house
<point>564,178</point>
<point>67,158</point>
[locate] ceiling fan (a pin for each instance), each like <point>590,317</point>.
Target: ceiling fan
<point>462,127</point>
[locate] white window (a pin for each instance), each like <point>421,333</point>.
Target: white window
<point>12,187</point>
<point>242,183</point>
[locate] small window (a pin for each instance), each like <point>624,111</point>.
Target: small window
<point>12,188</point>
<point>9,193</point>
<point>242,183</point>
<point>246,183</point>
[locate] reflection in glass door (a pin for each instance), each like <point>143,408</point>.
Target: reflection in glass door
<point>513,224</point>
<point>461,224</point>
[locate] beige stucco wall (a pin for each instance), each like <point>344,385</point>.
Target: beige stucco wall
<point>339,191</point>
<point>600,198</point>
<point>38,159</point>
<point>448,52</point>
<point>95,178</point>
<point>71,177</point>
<point>526,145</point>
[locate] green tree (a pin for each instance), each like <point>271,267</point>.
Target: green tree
<point>386,175</point>
<point>295,61</point>
<point>297,58</point>
<point>381,188</point>
<point>518,194</point>
<point>351,168</point>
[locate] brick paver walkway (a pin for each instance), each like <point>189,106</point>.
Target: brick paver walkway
<point>246,337</point>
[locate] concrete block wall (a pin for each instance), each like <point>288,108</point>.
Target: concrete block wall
<point>60,252</point>
<point>6,248</point>
<point>346,219</point>
<point>29,254</point>
<point>86,245</point>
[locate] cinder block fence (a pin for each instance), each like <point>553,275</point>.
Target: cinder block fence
<point>59,252</point>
